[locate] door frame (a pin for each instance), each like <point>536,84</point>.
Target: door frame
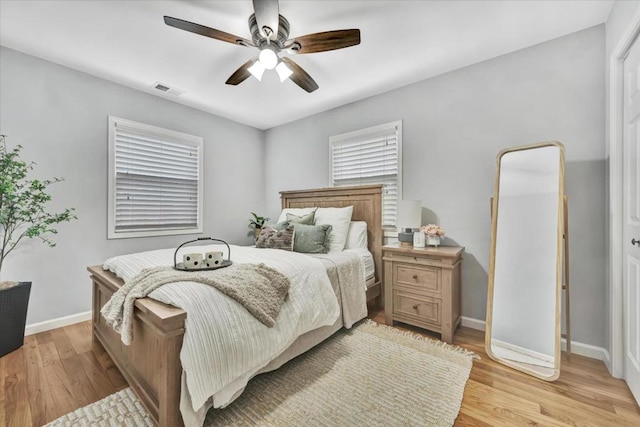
<point>616,128</point>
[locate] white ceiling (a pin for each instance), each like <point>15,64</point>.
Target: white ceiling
<point>402,42</point>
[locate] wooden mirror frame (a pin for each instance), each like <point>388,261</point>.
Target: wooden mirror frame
<point>559,265</point>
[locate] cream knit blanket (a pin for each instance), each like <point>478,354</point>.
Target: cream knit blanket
<point>258,288</point>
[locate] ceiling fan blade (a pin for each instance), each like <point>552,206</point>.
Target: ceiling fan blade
<point>267,15</point>
<point>242,73</point>
<point>328,40</point>
<point>300,76</point>
<point>206,31</point>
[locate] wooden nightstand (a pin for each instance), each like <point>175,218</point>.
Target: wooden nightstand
<point>422,287</point>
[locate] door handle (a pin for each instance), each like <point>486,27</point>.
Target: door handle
<point>635,242</point>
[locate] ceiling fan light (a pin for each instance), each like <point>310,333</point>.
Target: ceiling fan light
<point>283,71</point>
<point>268,58</point>
<point>257,70</point>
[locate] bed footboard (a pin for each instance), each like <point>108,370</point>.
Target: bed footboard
<point>151,364</point>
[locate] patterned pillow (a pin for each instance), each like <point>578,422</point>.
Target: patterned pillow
<point>307,219</point>
<point>270,238</point>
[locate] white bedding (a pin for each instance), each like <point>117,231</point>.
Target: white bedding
<point>367,260</point>
<point>218,361</point>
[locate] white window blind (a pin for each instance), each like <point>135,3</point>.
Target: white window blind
<point>155,180</point>
<point>370,156</point>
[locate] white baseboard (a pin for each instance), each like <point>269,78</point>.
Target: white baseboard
<point>472,323</point>
<point>607,361</point>
<point>586,350</point>
<point>517,353</point>
<point>47,325</point>
<point>579,348</point>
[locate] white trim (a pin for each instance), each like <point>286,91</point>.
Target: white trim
<point>334,139</point>
<point>606,359</point>
<point>615,264</point>
<point>546,359</point>
<point>582,349</point>
<point>587,350</point>
<point>472,323</point>
<point>184,138</point>
<point>47,325</point>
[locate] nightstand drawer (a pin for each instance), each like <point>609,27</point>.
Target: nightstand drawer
<point>420,278</point>
<point>422,287</point>
<point>416,307</point>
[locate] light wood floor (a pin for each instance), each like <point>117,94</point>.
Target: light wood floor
<point>61,370</point>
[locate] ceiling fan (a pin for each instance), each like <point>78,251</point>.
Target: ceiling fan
<point>270,34</point>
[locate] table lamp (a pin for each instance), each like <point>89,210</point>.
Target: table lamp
<point>409,220</point>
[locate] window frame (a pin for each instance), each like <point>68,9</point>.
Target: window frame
<point>397,124</point>
<point>179,137</point>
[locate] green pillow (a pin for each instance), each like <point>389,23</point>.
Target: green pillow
<point>279,226</point>
<point>307,219</point>
<point>311,239</point>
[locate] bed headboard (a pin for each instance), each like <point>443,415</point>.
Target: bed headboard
<point>367,206</point>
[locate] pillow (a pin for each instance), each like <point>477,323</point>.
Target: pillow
<point>307,219</point>
<point>279,226</point>
<point>339,219</point>
<point>311,239</point>
<point>357,235</point>
<point>270,238</point>
<point>295,211</point>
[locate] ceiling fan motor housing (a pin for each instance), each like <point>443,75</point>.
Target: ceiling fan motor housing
<point>259,40</point>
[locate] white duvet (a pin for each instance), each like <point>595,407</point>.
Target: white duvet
<point>237,345</point>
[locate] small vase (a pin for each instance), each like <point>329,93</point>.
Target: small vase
<point>433,241</point>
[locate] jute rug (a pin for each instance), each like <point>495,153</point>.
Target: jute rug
<point>371,375</point>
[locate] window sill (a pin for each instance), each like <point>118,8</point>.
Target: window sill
<point>152,233</point>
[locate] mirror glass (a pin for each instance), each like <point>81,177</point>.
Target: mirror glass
<point>523,316</point>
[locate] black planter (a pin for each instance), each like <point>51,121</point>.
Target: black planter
<point>13,316</point>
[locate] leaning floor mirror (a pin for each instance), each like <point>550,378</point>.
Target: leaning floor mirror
<point>525,266</point>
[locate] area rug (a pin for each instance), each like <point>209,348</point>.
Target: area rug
<point>371,375</point>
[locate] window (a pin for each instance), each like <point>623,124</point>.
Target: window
<point>371,156</point>
<point>155,181</point>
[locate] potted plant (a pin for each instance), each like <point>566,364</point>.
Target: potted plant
<point>256,223</point>
<point>23,214</point>
<point>434,234</point>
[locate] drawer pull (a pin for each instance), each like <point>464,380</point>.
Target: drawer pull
<point>415,276</point>
<point>415,307</point>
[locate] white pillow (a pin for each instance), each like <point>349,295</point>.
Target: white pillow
<point>339,219</point>
<point>357,235</point>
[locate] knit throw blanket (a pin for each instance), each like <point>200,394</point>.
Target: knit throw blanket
<point>258,288</point>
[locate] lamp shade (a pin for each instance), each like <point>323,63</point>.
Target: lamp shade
<point>268,58</point>
<point>257,70</point>
<point>283,71</point>
<point>409,214</point>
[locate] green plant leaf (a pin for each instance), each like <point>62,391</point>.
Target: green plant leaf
<point>23,203</point>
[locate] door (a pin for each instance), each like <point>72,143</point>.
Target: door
<point>631,220</point>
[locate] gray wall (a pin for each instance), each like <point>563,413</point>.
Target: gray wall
<point>453,127</point>
<point>59,116</point>
<point>616,25</point>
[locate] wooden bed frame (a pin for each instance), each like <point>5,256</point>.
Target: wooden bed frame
<point>151,364</point>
